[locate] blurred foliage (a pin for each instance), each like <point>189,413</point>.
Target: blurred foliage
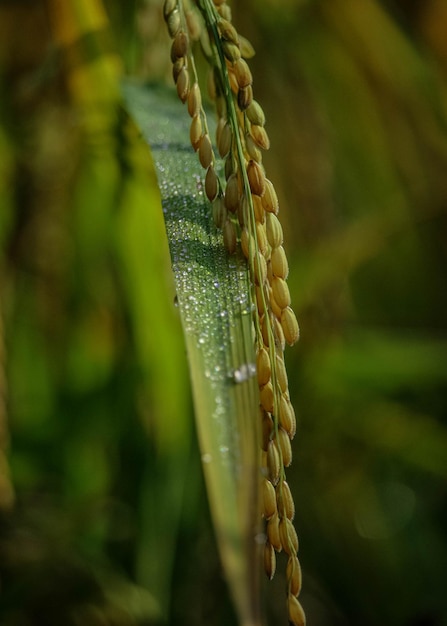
<point>104,519</point>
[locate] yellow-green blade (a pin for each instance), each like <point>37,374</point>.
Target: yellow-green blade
<point>215,306</point>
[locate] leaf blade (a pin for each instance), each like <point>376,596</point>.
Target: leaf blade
<point>213,294</point>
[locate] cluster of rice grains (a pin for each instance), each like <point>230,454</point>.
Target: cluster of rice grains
<point>246,210</point>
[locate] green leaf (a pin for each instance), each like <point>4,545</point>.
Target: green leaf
<point>213,294</point>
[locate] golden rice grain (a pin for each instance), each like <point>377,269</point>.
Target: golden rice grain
<point>285,414</point>
<point>219,127</point>
<point>278,334</point>
<point>244,97</point>
<point>227,31</point>
<point>263,366</point>
<point>288,536</point>
<point>260,136</point>
<point>211,183</point>
<point>273,463</point>
<point>260,268</point>
<point>264,331</point>
<point>195,132</point>
<point>280,266</point>
<point>194,100</point>
<point>290,326</point>
<point>281,292</point>
<point>281,374</point>
<point>287,499</point>
<point>285,447</point>
<point>205,152</point>
<point>252,149</point>
<point>246,246</point>
<point>261,237</point>
<point>296,613</point>
<point>266,397</point>
<point>270,199</point>
<point>231,51</point>
<point>293,574</point>
<point>256,178</point>
<point>243,73</point>
<point>261,297</point>
<point>258,209</point>
<point>255,113</point>
<point>268,498</point>
<point>183,84</point>
<point>225,11</point>
<point>269,560</point>
<point>273,533</point>
<point>233,80</point>
<point>276,310</point>
<point>274,230</point>
<point>247,50</point>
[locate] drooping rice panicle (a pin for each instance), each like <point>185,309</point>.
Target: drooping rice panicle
<point>245,208</point>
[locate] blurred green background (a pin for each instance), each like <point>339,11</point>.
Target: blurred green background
<point>103,514</point>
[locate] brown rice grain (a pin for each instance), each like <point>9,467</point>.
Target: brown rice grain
<point>244,97</point>
<point>256,178</point>
<point>180,45</point>
<point>243,73</point>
